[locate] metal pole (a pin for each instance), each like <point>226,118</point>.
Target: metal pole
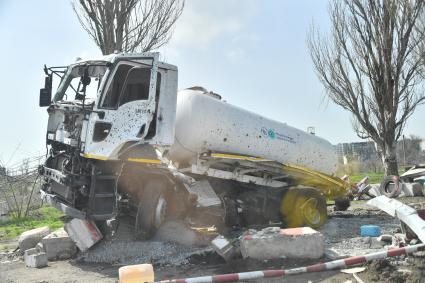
<point>404,151</point>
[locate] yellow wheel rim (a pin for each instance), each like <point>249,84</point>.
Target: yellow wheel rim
<point>311,212</point>
<point>299,210</point>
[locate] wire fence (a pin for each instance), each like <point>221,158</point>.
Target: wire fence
<point>19,187</point>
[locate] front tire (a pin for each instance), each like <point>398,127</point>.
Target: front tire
<point>152,209</point>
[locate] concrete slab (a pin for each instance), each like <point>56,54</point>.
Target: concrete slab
<point>29,239</point>
<point>34,258</point>
<point>84,233</point>
<point>412,189</point>
<point>58,245</point>
<point>405,213</point>
<point>273,242</point>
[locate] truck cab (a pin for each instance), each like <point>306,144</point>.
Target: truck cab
<point>120,99</point>
<point>106,115</point>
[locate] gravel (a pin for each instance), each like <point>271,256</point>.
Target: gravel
<point>173,245</point>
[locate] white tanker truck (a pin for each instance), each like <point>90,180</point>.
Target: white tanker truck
<point>121,139</point>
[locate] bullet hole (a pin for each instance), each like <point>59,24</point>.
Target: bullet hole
<point>225,139</point>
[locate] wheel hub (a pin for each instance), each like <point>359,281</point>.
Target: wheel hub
<point>160,211</point>
<point>310,211</point>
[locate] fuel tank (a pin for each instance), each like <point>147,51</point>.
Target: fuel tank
<point>205,123</point>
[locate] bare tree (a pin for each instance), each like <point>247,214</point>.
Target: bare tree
<point>128,25</point>
<point>369,66</point>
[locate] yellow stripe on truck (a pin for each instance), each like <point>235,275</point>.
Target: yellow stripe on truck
<point>241,157</point>
<point>143,160</point>
<point>92,156</point>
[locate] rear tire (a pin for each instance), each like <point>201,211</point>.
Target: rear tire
<point>152,209</point>
<point>303,206</point>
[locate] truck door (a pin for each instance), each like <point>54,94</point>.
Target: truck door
<point>125,108</point>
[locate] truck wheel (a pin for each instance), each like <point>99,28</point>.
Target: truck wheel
<point>342,204</point>
<point>152,208</point>
<point>304,207</point>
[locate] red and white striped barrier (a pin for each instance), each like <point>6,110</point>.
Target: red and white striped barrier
<point>234,277</point>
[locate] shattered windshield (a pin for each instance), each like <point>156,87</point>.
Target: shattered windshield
<point>71,87</point>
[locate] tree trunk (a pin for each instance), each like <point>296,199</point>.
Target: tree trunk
<point>389,160</point>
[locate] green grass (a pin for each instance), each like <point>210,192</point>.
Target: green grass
<point>44,216</point>
<point>373,177</point>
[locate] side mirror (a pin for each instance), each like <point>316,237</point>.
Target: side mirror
<point>46,92</point>
<point>45,97</point>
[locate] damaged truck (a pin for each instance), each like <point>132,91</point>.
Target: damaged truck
<point>122,139</point>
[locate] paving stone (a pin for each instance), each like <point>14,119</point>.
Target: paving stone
<point>34,258</point>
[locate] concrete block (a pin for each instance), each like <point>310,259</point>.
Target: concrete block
<point>83,232</point>
<point>58,245</point>
<point>224,248</point>
<point>412,189</point>
<point>29,239</point>
<point>34,258</point>
<point>374,190</point>
<point>273,242</point>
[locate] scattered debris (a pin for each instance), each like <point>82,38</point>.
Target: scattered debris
<point>414,172</point>
<point>83,232</point>
<point>403,212</point>
<point>243,276</point>
<point>353,271</point>
<point>385,238</point>
<point>34,258</point>
<point>29,239</point>
<point>273,242</point>
<point>224,248</point>
<point>411,189</point>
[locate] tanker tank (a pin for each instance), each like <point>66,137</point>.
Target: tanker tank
<point>206,123</point>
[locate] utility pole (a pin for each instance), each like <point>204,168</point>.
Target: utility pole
<point>404,151</point>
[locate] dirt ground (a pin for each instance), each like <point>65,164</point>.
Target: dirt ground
<point>190,255</point>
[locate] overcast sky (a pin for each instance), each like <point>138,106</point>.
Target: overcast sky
<point>253,53</point>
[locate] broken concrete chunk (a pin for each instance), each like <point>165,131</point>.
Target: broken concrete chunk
<point>40,247</point>
<point>34,258</point>
<point>375,190</point>
<point>412,189</point>
<point>375,243</point>
<point>29,239</point>
<point>273,242</point>
<point>386,238</point>
<point>83,232</point>
<point>224,248</point>
<point>59,245</point>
